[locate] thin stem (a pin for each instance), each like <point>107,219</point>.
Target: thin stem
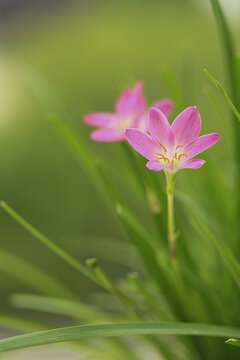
<point>172,235</point>
<point>111,287</point>
<point>56,249</point>
<point>171,226</point>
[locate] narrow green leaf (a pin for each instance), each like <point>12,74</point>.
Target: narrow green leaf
<point>48,243</point>
<point>234,342</point>
<point>145,244</point>
<point>75,333</point>
<point>73,142</point>
<point>94,170</point>
<point>74,309</point>
<point>225,252</point>
<point>84,157</point>
<point>229,52</point>
<point>105,248</point>
<point>130,220</point>
<point>19,323</point>
<point>30,275</point>
<point>228,46</point>
<point>155,259</point>
<point>203,226</point>
<point>224,94</point>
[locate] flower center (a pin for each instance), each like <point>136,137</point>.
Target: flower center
<point>165,158</point>
<point>125,122</point>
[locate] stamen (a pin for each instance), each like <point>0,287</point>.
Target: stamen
<point>162,157</point>
<point>175,156</point>
<point>165,150</point>
<point>179,156</point>
<point>179,146</point>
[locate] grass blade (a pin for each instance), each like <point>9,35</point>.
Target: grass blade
<point>105,248</point>
<point>84,157</point>
<point>48,243</point>
<point>224,94</point>
<point>73,309</point>
<point>30,275</point>
<point>19,323</point>
<point>94,170</point>
<point>146,246</point>
<point>76,333</point>
<point>228,47</point>
<point>234,342</point>
<point>229,53</point>
<point>202,225</point>
<point>155,259</point>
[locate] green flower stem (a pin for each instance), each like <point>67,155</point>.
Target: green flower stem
<point>172,236</point>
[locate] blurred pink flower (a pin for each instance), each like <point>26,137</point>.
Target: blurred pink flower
<point>172,147</point>
<point>130,112</point>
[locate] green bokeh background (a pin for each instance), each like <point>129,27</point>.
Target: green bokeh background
<point>89,52</point>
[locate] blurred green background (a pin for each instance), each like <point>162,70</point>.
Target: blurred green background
<point>89,52</point>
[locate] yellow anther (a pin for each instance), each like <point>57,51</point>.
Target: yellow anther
<point>165,150</point>
<point>179,146</point>
<point>179,156</point>
<point>175,156</point>
<point>162,157</point>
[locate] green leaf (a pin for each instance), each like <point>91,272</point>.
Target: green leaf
<point>76,333</point>
<point>84,157</point>
<point>19,323</point>
<point>105,248</point>
<point>48,243</point>
<point>30,275</point>
<point>234,342</point>
<point>144,242</point>
<point>224,94</point>
<point>203,226</point>
<point>154,257</point>
<point>74,309</point>
<point>231,62</point>
<point>228,46</point>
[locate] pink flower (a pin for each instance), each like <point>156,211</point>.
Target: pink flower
<point>130,111</point>
<point>172,147</point>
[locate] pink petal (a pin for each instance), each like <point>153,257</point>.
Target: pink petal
<point>165,106</point>
<point>142,123</point>
<point>187,125</point>
<point>192,164</point>
<point>159,127</point>
<point>132,102</point>
<point>201,144</point>
<point>154,165</point>
<point>106,135</point>
<point>101,119</point>
<point>142,143</point>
